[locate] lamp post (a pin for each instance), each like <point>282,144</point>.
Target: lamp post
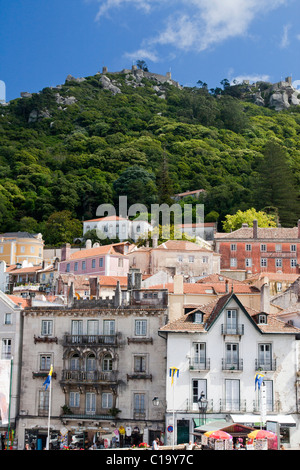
<point>202,404</point>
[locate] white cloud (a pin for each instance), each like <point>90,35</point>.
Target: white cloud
<point>198,24</point>
<point>253,78</point>
<point>142,54</point>
<point>285,42</point>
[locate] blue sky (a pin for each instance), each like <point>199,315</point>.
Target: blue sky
<point>42,41</point>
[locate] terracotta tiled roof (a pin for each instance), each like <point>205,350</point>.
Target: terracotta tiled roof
<point>218,288</point>
<point>213,309</point>
<point>262,233</point>
<point>107,218</point>
<point>112,280</point>
<point>89,252</point>
<point>19,300</point>
<point>181,245</point>
<point>30,269</point>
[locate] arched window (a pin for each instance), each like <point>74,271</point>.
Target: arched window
<point>74,362</point>
<point>107,363</point>
<point>91,363</point>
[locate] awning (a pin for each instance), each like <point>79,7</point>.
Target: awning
<point>210,426</point>
<point>254,420</point>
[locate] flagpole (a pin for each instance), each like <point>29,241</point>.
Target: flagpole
<point>10,384</point>
<point>49,413</point>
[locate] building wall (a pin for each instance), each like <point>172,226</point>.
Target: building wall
<point>150,384</point>
<point>14,251</point>
<point>180,347</point>
<point>271,255</point>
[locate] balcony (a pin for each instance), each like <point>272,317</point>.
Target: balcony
<point>199,364</point>
<point>265,364</point>
<point>81,377</point>
<point>232,365</point>
<point>91,340</point>
<point>232,330</point>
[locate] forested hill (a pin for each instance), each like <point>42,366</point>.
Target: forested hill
<point>90,140</point>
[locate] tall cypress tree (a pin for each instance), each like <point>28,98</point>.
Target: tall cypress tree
<point>164,184</point>
<point>276,185</point>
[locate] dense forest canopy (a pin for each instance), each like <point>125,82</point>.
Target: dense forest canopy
<point>78,146</point>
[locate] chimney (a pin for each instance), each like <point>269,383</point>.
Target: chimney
<point>154,241</point>
<point>265,297</point>
<point>299,228</point>
<point>178,284</point>
<point>226,286</point>
<point>118,295</point>
<point>88,244</point>
<point>254,228</point>
<point>65,252</point>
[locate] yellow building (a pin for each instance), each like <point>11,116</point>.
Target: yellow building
<point>17,247</point>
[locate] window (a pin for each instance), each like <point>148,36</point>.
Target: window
<point>139,363</point>
<point>293,263</point>
<point>76,330</point>
<point>248,262</point>
<point>198,317</point>
<point>279,286</point>
<point>68,268</point>
<point>100,262</point>
<point>265,356</point>
<point>107,363</point>
<point>43,403</point>
<point>107,400</point>
<point>74,362</point>
<point>232,355</point>
<point>199,353</point>
<point>32,249</point>
<point>120,263</point>
<point>233,247</point>
<point>262,319</point>
<point>93,263</point>
<point>76,266</point>
<point>8,319</point>
<point>263,247</point>
<point>22,249</point>
<point>140,327</point>
<point>83,265</point>
<point>278,247</point>
<point>90,403</point>
<point>232,395</point>
<point>278,263</point>
<point>191,259</point>
<point>45,362</point>
<point>263,262</point>
<point>139,403</point>
<point>6,349</point>
<point>233,262</point>
<point>109,327</point>
<point>294,248</point>
<point>199,387</point>
<point>91,363</point>
<point>1,249</point>
<point>74,399</point>
<point>180,258</point>
<point>93,327</point>
<point>231,321</point>
<point>248,247</point>
<point>47,327</point>
<point>205,259</point>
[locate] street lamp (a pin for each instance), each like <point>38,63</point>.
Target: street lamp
<point>155,401</point>
<point>202,404</point>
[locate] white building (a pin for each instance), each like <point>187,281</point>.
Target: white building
<point>218,348</point>
<point>114,227</point>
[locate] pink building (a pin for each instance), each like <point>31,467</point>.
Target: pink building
<point>99,261</point>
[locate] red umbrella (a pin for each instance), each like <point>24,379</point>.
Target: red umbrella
<point>261,434</point>
<point>218,435</point>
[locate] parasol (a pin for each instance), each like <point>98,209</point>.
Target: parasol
<point>261,434</point>
<point>217,435</point>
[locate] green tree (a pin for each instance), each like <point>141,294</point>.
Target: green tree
<point>138,185</point>
<point>164,184</point>
<point>61,227</point>
<point>276,185</point>
<point>234,222</point>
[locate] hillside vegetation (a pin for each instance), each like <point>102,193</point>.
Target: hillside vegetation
<point>80,145</point>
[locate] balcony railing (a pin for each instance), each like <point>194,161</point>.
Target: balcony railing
<point>84,377</point>
<point>265,364</point>
<point>232,330</point>
<point>91,340</point>
<point>199,364</point>
<point>232,365</point>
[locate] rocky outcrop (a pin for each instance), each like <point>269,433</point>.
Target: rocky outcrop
<point>107,84</point>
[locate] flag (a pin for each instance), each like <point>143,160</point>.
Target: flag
<point>258,380</point>
<point>48,379</point>
<point>173,371</point>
